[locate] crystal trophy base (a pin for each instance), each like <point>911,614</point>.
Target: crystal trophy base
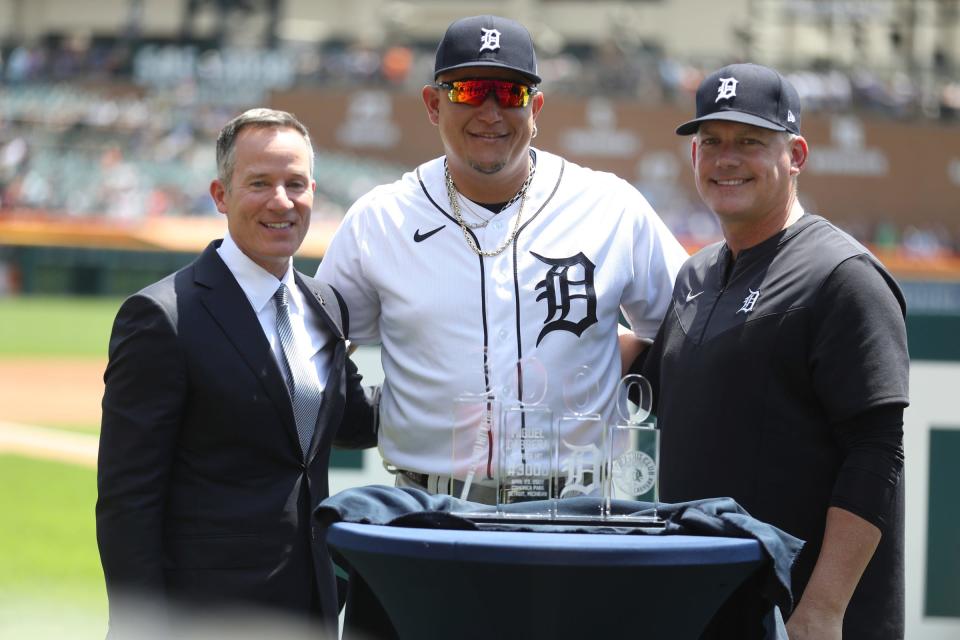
<point>633,471</point>
<point>580,448</point>
<point>527,469</point>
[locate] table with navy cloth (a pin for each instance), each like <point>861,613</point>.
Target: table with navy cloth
<point>436,576</point>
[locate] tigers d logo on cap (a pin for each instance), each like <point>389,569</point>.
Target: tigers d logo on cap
<point>728,89</point>
<point>487,41</point>
<point>490,40</point>
<point>747,93</point>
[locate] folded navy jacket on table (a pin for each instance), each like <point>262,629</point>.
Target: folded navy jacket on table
<point>409,507</point>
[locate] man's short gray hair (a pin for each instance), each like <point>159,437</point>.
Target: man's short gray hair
<point>260,118</point>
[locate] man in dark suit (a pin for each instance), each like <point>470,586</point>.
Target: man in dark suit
<point>227,384</point>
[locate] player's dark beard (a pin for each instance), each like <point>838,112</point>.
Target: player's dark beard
<point>488,169</point>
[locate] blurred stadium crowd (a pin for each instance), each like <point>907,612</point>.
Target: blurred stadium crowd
<point>91,129</point>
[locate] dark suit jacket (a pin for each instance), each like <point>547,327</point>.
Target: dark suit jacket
<point>204,493</point>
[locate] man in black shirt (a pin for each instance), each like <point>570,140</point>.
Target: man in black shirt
<point>780,371</point>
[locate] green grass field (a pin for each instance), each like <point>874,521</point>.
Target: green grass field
<point>51,584</point>
<point>56,326</point>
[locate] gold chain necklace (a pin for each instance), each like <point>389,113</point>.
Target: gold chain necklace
<point>464,226</point>
<point>467,206</point>
<point>485,221</point>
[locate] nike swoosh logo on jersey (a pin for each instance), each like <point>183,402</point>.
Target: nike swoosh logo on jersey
<point>420,237</point>
<point>691,295</point>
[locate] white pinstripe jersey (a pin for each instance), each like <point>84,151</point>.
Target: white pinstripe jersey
<point>589,245</point>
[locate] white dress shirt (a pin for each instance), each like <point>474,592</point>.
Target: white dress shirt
<point>259,285</point>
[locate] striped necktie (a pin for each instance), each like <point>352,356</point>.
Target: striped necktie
<point>305,396</point>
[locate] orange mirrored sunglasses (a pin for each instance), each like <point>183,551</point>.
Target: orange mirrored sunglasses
<point>510,95</point>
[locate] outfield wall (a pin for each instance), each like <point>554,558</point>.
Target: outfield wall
<point>932,447</point>
<point>96,258</point>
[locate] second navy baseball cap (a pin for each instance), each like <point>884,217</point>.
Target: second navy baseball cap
<point>487,41</point>
<point>748,93</point>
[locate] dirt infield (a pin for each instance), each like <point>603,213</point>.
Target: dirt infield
<point>49,444</point>
<point>56,392</point>
<point>50,392</point>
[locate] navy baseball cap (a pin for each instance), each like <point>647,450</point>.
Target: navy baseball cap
<point>747,93</point>
<point>487,41</point>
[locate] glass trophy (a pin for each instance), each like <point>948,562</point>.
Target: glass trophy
<point>527,459</point>
<point>633,450</point>
<point>581,442</point>
<point>476,418</point>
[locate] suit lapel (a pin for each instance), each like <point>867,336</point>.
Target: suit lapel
<point>225,301</point>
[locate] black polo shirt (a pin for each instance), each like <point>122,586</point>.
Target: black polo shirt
<point>757,362</point>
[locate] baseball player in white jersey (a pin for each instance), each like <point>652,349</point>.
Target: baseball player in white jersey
<point>497,264</point>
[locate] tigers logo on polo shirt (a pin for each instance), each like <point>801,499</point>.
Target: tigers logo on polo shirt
<point>750,301</point>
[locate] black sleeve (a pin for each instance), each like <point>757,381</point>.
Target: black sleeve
<point>359,426</point>
<point>872,443</point>
<point>860,370</point>
<point>858,355</point>
<point>144,398</point>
